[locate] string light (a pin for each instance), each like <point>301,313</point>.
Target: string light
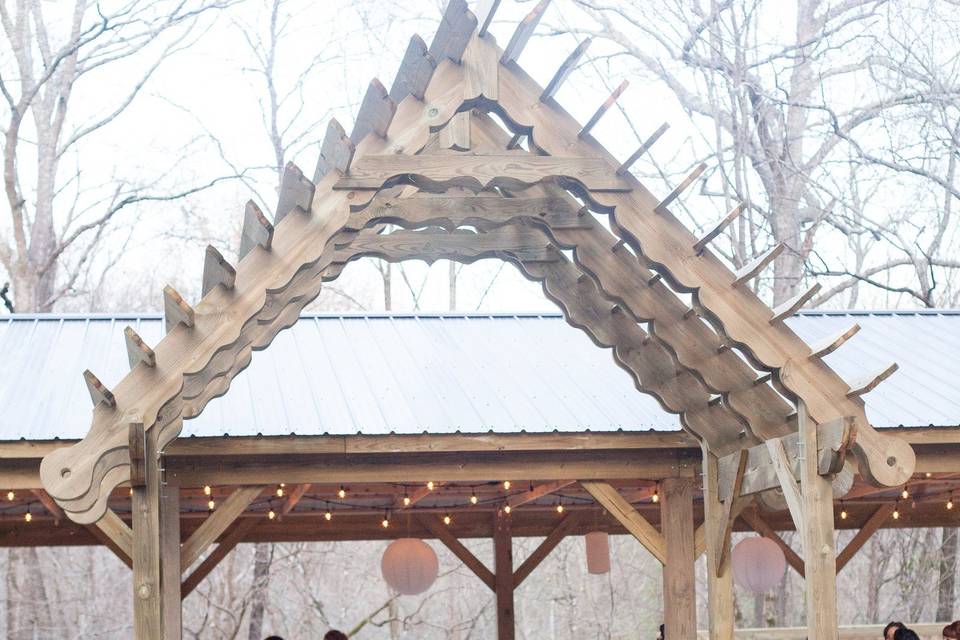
<point>211,504</point>
<point>506,485</point>
<point>843,512</point>
<point>950,502</point>
<point>131,490</point>
<point>406,501</point>
<point>386,520</point>
<point>506,509</point>
<point>206,490</point>
<point>473,498</point>
<point>896,512</point>
<point>283,484</point>
<point>447,519</point>
<point>430,485</point>
<point>342,492</point>
<point>655,498</point>
<point>280,491</point>
<point>328,516</point>
<point>271,514</point>
<point>928,474</point>
<point>27,517</point>
<point>905,494</point>
<point>11,495</point>
<point>559,507</point>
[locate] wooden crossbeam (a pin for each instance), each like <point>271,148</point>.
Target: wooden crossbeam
<point>717,229</point>
<point>753,268</point>
<point>336,151</point>
<point>296,193</point>
<point>444,535</point>
<point>235,536</point>
<point>599,113</point>
<point>783,467</point>
<point>453,34</point>
<point>537,492</point>
<point>48,503</point>
<point>294,497</point>
<point>870,382</point>
<point>866,531</point>
<point>833,342</point>
<point>730,512</point>
<point>97,390</point>
<point>566,68</point>
<point>759,525</point>
<point>414,73</point>
<point>175,310</point>
<point>680,188</point>
<point>523,33</point>
<point>486,9</point>
<point>561,531</point>
<point>375,114</point>
<point>257,230</point>
<point>137,349</point>
<point>118,532</point>
<point>629,517</point>
<point>216,524</point>
<point>789,307</point>
<point>216,270</point>
<point>649,142</point>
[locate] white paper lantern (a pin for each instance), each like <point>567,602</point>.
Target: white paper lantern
<point>598,552</point>
<point>758,564</point>
<point>409,566</point>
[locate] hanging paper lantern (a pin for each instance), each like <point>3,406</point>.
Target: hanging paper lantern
<point>758,564</point>
<point>409,566</point>
<point>598,552</point>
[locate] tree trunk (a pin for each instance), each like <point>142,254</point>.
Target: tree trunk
<point>948,572</point>
<point>262,559</point>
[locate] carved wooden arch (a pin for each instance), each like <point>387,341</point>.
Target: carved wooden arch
<point>695,365</point>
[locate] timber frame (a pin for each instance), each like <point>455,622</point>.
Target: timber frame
<point>464,158</point>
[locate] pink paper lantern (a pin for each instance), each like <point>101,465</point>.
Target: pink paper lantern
<point>758,564</point>
<point>409,566</point>
<point>598,552</point>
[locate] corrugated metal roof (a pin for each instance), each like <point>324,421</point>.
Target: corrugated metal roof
<point>441,373</point>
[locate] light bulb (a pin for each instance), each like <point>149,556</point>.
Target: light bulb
<point>905,494</point>
<point>430,485</point>
<point>406,501</point>
<point>950,504</point>
<point>328,516</point>
<point>506,509</point>
<point>342,493</point>
<point>843,514</point>
<point>506,485</point>
<point>283,484</point>
<point>896,513</point>
<point>211,504</point>
<point>11,495</point>
<point>206,489</point>
<point>385,523</point>
<point>928,474</point>
<point>279,492</point>
<point>473,499</point>
<point>28,516</point>
<point>656,497</point>
<point>446,519</point>
<point>131,490</point>
<point>559,508</point>
<point>271,514</point>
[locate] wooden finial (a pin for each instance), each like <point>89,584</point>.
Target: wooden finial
<point>649,142</point>
<point>296,192</point>
<point>175,309</point>
<point>609,102</point>
<point>257,230</point>
<point>523,33</point>
<point>680,188</point>
<point>718,228</point>
<point>376,113</point>
<point>832,343</point>
<point>336,153</point>
<point>98,391</point>
<point>870,382</point>
<point>791,306</point>
<point>453,34</point>
<point>414,73</point>
<point>566,68</point>
<point>486,9</point>
<point>752,269</point>
<point>137,349</point>
<point>216,270</point>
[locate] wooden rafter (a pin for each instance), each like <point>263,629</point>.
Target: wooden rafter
<point>216,524</point>
<point>636,524</point>
<point>443,534</point>
<point>234,536</point>
<point>537,492</point>
<point>561,531</point>
<point>866,531</point>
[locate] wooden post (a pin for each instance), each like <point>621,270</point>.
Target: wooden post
<point>156,553</point>
<point>679,582</point>
<point>719,575</point>
<point>820,567</point>
<point>503,574</point>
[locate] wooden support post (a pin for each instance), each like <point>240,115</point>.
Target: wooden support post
<point>503,574</point>
<point>170,558</point>
<point>719,575</point>
<point>820,565</point>
<point>679,580</point>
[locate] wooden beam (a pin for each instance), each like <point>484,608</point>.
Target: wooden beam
<point>758,524</point>
<point>49,504</point>
<point>117,531</point>
<point>486,9</point>
<point>680,188</point>
<point>414,73</point>
<point>105,540</point>
<point>866,531</point>
<point>454,32</point>
<point>444,535</point>
<point>794,304</point>
<point>416,496</point>
<point>257,230</point>
<point>599,113</point>
<point>456,134</point>
<point>718,228</point>
<point>719,576</point>
<point>679,576</point>
<point>791,492</point>
<point>503,574</point>
<point>98,391</point>
<point>871,381</point>
<point>571,519</point>
<point>234,537</point>
<point>137,349</point>
<point>296,193</point>
<point>629,517</point>
<point>833,342</point>
<point>566,68</point>
<point>216,270</point>
<point>293,498</point>
<point>537,492</point>
<point>375,114</point>
<point>753,268</point>
<point>523,32</point>
<point>730,512</point>
<point>169,507</point>
<point>146,551</point>
<point>649,142</point>
<point>216,524</point>
<point>175,310</point>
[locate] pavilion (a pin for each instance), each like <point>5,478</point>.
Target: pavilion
<point>464,158</point>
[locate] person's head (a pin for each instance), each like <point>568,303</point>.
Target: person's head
<point>333,634</point>
<point>952,631</point>
<point>273,638</point>
<point>891,629</point>
<point>660,635</point>
<point>905,634</point>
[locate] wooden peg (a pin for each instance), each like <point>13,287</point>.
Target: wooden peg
<point>791,306</point>
<point>523,33</point>
<point>870,382</point>
<point>175,309</point>
<point>136,443</point>
<point>216,270</point>
<point>566,68</point>
<point>137,349</point>
<point>336,153</point>
<point>609,102</point>
<point>832,343</point>
<point>257,230</point>
<point>680,188</point>
<point>296,192</point>
<point>414,73</point>
<point>753,268</point>
<point>376,113</point>
<point>649,142</point>
<point>718,228</point>
<point>98,391</point>
<point>485,12</point>
<point>453,34</point>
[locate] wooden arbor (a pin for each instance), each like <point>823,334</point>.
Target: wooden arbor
<point>464,158</point>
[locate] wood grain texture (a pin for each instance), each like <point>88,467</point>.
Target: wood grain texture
<point>257,230</point>
<point>216,271</point>
<point>296,193</point>
<point>453,34</point>
<point>375,114</point>
<point>137,349</point>
<point>564,71</point>
<point>651,539</point>
<point>416,69</point>
<point>336,151</point>
<point>503,575</point>
<point>679,577</point>
<point>720,603</point>
<point>524,31</point>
